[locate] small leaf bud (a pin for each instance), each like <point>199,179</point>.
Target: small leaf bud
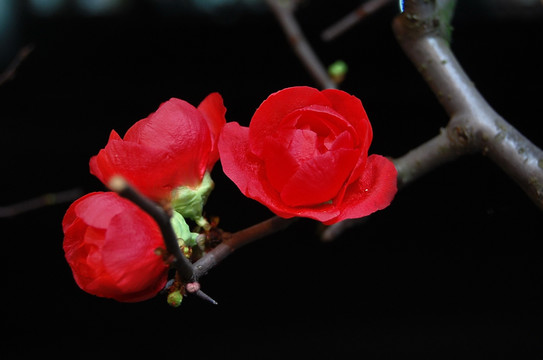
<point>175,298</point>
<point>337,71</point>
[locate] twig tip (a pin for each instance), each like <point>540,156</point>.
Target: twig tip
<point>202,295</point>
<point>117,183</point>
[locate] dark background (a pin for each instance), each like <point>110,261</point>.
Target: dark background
<point>453,266</point>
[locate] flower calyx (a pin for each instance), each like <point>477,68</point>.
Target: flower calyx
<point>190,201</point>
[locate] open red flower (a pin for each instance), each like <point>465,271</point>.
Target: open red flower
<point>305,153</point>
<point>110,245</point>
<point>173,146</point>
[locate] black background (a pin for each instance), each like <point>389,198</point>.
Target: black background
<point>452,267</point>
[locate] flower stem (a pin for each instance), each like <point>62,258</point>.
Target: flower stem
<point>238,239</point>
<point>40,201</point>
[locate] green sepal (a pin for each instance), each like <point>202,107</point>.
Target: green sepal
<point>182,230</point>
<point>190,202</point>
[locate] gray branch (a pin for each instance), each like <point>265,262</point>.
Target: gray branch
<point>473,125</point>
<point>351,19</point>
<point>422,31</point>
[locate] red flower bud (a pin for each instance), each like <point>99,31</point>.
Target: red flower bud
<point>305,153</point>
<point>173,146</point>
<point>110,245</point>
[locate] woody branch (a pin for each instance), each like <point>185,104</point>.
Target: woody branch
<point>474,126</point>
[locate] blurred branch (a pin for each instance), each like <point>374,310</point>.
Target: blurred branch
<point>39,202</point>
<point>367,8</point>
<point>284,11</point>
<point>10,71</point>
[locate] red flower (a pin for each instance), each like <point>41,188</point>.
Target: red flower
<point>110,245</point>
<point>173,146</point>
<point>305,154</point>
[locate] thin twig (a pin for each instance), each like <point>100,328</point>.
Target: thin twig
<point>283,10</point>
<point>236,240</point>
<point>10,71</point>
<point>39,202</point>
<point>367,8</point>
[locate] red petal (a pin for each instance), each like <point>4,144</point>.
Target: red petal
<point>373,191</point>
<point>90,208</point>
<point>350,107</point>
<point>70,215</point>
<point>128,255</point>
<point>176,125</point>
<point>323,120</point>
<point>153,171</point>
<point>247,172</point>
<point>237,162</point>
<point>176,138</point>
<point>213,111</point>
<point>320,179</point>
<point>284,154</point>
<point>276,107</point>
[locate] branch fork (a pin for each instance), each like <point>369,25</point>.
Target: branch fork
<point>474,126</point>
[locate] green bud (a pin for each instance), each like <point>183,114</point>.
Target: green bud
<point>190,202</point>
<point>338,70</point>
<point>175,298</point>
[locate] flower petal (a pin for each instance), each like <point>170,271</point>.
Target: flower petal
<point>276,107</point>
<point>213,110</point>
<point>319,179</point>
<point>248,173</point>
<point>181,128</point>
<point>90,208</point>
<point>153,171</point>
<point>176,125</point>
<point>169,148</point>
<point>237,162</point>
<point>373,191</point>
<point>350,107</point>
<point>128,255</point>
